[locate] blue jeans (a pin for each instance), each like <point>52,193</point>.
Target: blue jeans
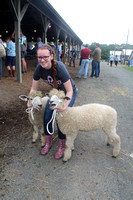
<point>95,68</point>
<point>37,63</point>
<point>58,57</point>
<point>98,68</point>
<point>0,66</point>
<point>48,114</point>
<point>84,64</point>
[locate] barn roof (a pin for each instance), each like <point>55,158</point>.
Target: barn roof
<point>31,23</point>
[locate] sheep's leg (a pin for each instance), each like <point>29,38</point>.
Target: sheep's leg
<point>108,142</point>
<point>112,135</point>
<point>35,134</point>
<point>116,149</point>
<point>69,146</point>
<point>43,138</point>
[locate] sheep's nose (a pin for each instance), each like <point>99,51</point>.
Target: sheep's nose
<point>40,105</point>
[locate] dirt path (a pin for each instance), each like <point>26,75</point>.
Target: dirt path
<point>91,174</point>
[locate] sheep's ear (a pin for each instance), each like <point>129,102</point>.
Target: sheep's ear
<point>67,98</point>
<point>25,98</point>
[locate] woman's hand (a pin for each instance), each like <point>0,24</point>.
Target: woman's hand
<point>64,108</point>
<point>61,109</point>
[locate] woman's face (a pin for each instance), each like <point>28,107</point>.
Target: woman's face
<point>44,58</point>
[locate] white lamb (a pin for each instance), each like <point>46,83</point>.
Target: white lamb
<point>36,113</point>
<point>84,118</point>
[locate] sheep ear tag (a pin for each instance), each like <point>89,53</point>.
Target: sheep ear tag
<point>24,97</point>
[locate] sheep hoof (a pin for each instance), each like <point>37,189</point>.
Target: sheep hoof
<point>113,156</point>
<point>33,142</point>
<point>108,144</point>
<point>64,161</point>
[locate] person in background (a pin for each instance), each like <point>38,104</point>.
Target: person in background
<point>66,55</point>
<point>1,42</point>
<point>23,45</point>
<point>0,68</point>
<point>84,61</point>
<point>39,42</point>
<point>53,46</point>
<point>59,52</point>
<point>55,74</point>
<point>96,61</point>
<point>116,61</point>
<point>23,52</point>
<point>10,56</point>
<point>111,60</point>
<point>73,57</point>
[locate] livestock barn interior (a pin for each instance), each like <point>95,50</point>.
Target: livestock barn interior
<point>35,19</point>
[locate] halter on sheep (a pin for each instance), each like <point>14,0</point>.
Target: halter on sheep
<point>36,117</point>
<point>34,106</point>
<point>54,102</point>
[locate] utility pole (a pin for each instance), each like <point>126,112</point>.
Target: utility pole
<point>126,46</point>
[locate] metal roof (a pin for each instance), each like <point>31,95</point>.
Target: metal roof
<point>32,21</point>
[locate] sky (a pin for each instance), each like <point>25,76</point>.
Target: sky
<point>101,21</point>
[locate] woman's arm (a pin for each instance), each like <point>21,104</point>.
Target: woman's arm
<point>69,93</point>
<point>34,86</point>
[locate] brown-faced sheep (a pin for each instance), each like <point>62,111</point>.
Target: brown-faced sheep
<point>36,113</point>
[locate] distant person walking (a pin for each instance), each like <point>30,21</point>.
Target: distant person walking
<point>84,61</point>
<point>116,61</point>
<point>111,60</point>
<point>96,61</point>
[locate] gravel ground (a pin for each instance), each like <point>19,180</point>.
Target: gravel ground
<point>91,173</point>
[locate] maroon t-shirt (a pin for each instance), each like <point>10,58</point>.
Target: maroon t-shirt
<point>85,53</point>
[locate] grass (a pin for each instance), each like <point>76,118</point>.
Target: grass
<point>128,68</point>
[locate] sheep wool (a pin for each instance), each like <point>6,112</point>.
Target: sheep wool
<point>86,118</point>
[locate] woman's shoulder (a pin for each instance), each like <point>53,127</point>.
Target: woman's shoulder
<point>60,64</point>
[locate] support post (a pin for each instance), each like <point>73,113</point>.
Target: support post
<point>69,45</point>
<point>57,38</point>
<point>17,40</point>
<point>45,23</point>
<point>15,7</point>
<point>64,47</point>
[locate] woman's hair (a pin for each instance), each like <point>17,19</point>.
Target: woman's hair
<point>48,47</point>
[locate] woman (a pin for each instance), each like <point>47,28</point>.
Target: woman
<point>54,73</point>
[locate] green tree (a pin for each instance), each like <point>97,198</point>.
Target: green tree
<point>107,48</point>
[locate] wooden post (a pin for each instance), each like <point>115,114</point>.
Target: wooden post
<point>45,23</point>
<point>69,43</point>
<point>17,42</point>
<point>64,47</point>
<point>57,38</point>
<point>18,15</point>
